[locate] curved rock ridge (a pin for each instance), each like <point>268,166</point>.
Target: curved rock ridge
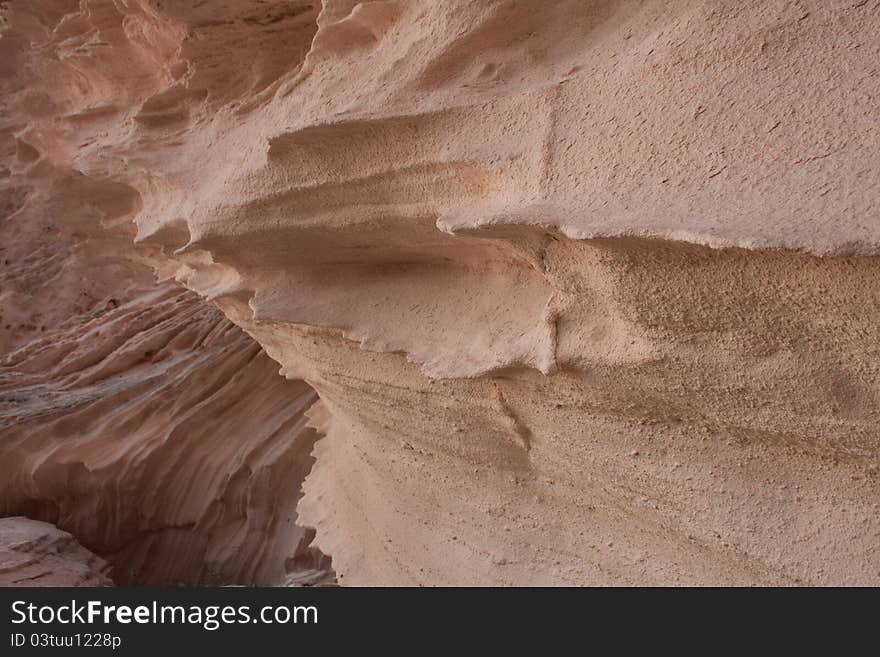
<point>588,290</point>
<point>37,554</point>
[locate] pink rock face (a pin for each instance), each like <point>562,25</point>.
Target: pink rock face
<point>561,293</point>
<point>37,554</point>
<point>160,434</point>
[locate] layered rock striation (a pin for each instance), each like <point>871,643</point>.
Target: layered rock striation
<point>588,291</point>
<point>35,553</point>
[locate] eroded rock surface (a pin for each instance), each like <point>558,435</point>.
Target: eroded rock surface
<point>163,438</point>
<point>589,291</point>
<point>37,554</point>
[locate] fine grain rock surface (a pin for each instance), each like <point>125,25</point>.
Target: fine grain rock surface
<point>576,292</point>
<point>37,554</point>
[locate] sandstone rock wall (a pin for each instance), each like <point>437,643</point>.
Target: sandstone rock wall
<point>37,554</point>
<point>589,290</point>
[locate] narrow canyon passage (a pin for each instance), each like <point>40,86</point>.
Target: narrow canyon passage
<point>162,438</point>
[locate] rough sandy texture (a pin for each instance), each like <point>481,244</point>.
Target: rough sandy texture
<point>37,554</point>
<point>588,289</point>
